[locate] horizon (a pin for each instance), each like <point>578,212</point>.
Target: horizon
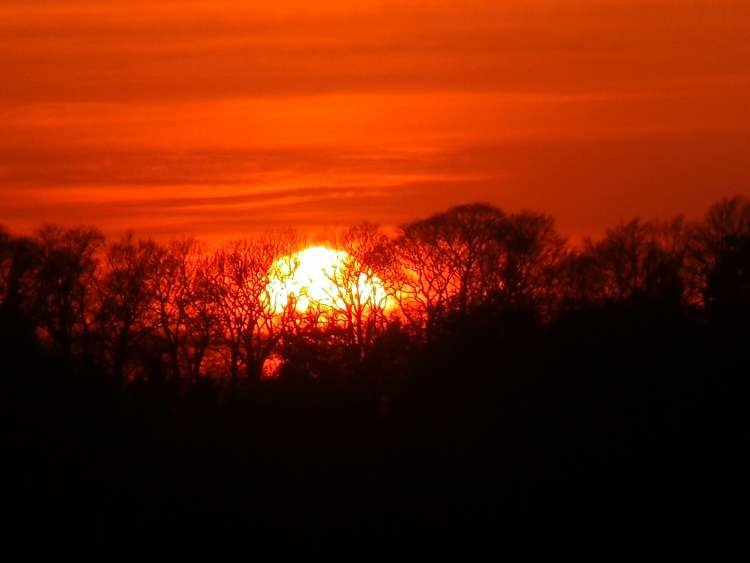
<point>329,235</point>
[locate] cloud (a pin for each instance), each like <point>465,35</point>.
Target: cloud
<point>222,116</point>
<point>586,184</point>
<point>166,51</point>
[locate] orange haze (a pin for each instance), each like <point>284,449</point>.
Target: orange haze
<point>223,117</point>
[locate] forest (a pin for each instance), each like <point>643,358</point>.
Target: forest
<point>469,370</point>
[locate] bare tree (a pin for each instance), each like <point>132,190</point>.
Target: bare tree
<point>636,259</point>
<point>722,255</point>
<point>181,305</point>
<point>251,319</point>
<point>126,299</point>
<point>19,260</point>
<point>728,218</point>
<point>65,282</point>
<point>725,223</point>
<point>447,262</point>
<point>677,274</point>
<point>202,319</point>
<point>532,252</point>
<point>358,303</point>
<point>7,244</point>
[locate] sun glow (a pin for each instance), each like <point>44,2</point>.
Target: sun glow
<point>322,278</point>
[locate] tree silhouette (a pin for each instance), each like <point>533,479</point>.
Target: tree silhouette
<point>127,291</point>
<point>361,297</point>
<point>182,306</point>
<point>65,286</point>
<point>719,245</point>
<point>531,255</point>
<point>251,320</point>
<point>635,260</point>
<point>470,370</point>
<point>446,263</point>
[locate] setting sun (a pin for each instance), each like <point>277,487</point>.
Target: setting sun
<point>323,278</point>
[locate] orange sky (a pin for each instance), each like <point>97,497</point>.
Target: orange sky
<point>222,117</point>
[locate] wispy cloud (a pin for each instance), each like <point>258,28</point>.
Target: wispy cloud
<point>223,115</point>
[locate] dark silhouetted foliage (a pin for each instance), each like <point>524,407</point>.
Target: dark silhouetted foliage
<point>515,383</point>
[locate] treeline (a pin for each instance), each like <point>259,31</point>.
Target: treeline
<point>474,373</point>
<point>142,309</point>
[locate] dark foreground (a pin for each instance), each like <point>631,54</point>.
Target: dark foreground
<point>610,421</point>
<point>583,394</point>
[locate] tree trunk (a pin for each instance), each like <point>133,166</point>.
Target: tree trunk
<point>234,362</point>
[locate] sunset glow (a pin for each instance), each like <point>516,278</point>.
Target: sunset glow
<point>226,118</point>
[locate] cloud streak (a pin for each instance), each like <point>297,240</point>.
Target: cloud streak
<point>164,51</point>
<point>220,116</point>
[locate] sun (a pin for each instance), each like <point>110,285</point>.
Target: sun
<point>323,278</point>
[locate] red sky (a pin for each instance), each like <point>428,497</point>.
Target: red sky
<point>223,117</point>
